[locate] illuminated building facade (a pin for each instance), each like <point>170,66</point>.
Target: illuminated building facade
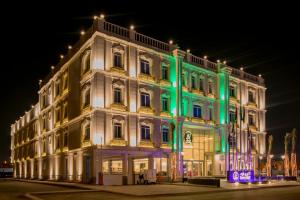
<point>120,102</point>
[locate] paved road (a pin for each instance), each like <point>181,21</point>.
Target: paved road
<point>286,193</point>
<point>15,189</point>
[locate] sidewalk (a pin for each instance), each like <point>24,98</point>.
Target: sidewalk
<point>166,189</point>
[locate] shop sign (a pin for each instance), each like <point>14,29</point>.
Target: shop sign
<point>188,137</point>
<point>240,176</point>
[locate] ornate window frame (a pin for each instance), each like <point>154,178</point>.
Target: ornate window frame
<point>86,58</point>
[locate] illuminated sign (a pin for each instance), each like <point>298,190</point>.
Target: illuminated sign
<point>188,137</point>
<point>240,176</point>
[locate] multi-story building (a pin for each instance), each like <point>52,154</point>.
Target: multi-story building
<point>120,102</point>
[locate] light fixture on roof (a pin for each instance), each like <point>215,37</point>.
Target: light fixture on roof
<point>171,42</point>
<point>40,81</point>
<point>32,106</point>
<point>61,56</point>
<point>95,16</point>
<point>131,27</point>
<point>188,50</point>
<point>205,57</point>
<point>52,67</point>
<point>218,61</point>
<point>242,68</point>
<point>102,16</point>
<point>259,75</point>
<point>82,32</point>
<point>69,47</point>
<point>224,62</point>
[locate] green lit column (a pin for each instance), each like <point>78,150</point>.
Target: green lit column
<point>178,118</point>
<point>223,108</point>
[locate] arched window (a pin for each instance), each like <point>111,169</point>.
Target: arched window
<point>86,62</point>
<point>86,97</point>
<point>86,131</point>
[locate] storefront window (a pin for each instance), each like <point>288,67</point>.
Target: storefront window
<point>161,166</point>
<point>116,166</point>
<point>105,167</point>
<point>140,165</point>
<point>197,154</point>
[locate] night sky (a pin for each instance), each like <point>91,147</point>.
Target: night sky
<point>263,38</point>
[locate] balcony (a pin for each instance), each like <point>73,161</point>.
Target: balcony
<point>146,143</point>
<point>118,70</point>
<point>198,120</point>
<point>118,106</point>
<point>165,114</point>
<point>146,110</point>
<point>118,142</point>
<point>146,77</point>
<point>163,82</point>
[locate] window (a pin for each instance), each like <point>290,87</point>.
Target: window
<point>44,145</point>
<point>251,96</point>
<point>57,142</point>
<point>165,104</point>
<point>65,111</point>
<point>145,99</point>
<point>232,91</point>
<point>57,91</point>
<point>210,114</point>
<point>145,132</point>
<point>164,73</point>
<point>105,166</point>
<point>183,79</point>
<point>201,84</point>
<point>140,165</point>
<point>57,115</point>
<point>86,132</point>
<point>232,116</point>
<point>117,95</point>
<point>86,98</point>
<point>210,87</point>
<point>65,139</point>
<point>193,82</point>
<point>86,63</point>
<point>116,166</point>
<point>117,130</point>
<point>118,60</point>
<point>65,81</point>
<point>197,111</point>
<point>251,120</point>
<point>145,67</point>
<point>165,134</point>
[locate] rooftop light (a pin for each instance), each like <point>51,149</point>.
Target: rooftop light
<point>242,68</point>
<point>171,42</point>
<point>188,50</point>
<point>224,62</point>
<point>52,67</point>
<point>95,17</point>
<point>259,75</point>
<point>218,61</point>
<point>82,32</point>
<point>69,47</point>
<point>131,27</point>
<point>61,56</point>
<point>102,16</point>
<point>205,57</point>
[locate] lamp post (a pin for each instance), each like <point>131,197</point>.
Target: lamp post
<point>271,156</point>
<point>260,168</point>
<point>283,157</point>
<point>182,154</point>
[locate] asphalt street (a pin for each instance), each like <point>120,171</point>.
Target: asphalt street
<point>16,190</point>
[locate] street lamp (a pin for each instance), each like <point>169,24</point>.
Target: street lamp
<point>182,154</point>
<point>260,158</point>
<point>283,157</point>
